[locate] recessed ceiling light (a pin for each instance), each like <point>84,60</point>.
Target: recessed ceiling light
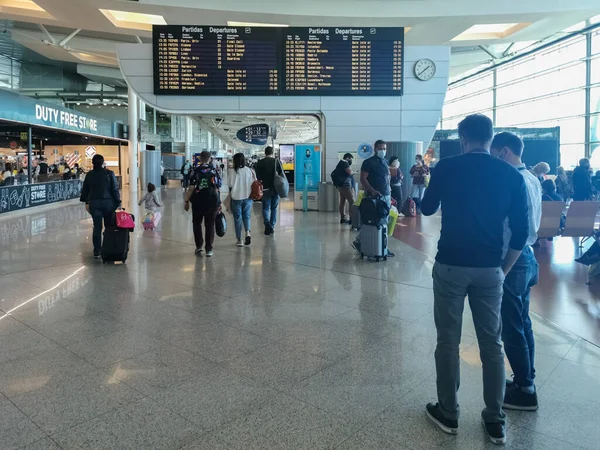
<point>490,31</point>
<point>133,20</point>
<point>232,23</point>
<point>78,104</point>
<point>98,59</point>
<point>23,8</point>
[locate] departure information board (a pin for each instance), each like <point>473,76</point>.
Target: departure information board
<point>215,60</point>
<point>343,61</point>
<point>222,60</point>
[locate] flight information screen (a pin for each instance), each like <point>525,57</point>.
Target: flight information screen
<point>343,61</point>
<point>215,60</point>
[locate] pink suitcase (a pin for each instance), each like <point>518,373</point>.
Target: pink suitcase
<point>151,220</point>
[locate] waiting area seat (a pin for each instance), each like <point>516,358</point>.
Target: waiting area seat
<point>580,219</point>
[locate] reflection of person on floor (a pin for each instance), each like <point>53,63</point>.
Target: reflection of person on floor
<point>203,194</point>
<point>375,180</point>
<point>343,180</point>
<point>517,332</point>
<point>100,192</point>
<point>476,192</point>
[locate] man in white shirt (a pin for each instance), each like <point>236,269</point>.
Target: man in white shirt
<point>517,333</point>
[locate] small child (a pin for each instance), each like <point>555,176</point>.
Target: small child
<point>151,199</point>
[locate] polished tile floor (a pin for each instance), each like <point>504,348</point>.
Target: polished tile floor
<point>293,343</point>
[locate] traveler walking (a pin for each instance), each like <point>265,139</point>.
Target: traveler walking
<point>203,194</point>
<point>418,172</point>
<point>344,182</point>
<point>396,178</point>
<point>240,180</point>
<point>477,192</point>
<point>265,172</point>
<point>375,180</point>
<point>150,199</point>
<point>517,332</point>
<point>186,171</point>
<point>100,192</point>
<point>582,181</point>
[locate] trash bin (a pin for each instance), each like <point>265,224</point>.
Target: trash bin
<point>328,197</point>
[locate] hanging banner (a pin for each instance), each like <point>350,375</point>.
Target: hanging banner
<point>254,134</point>
<point>307,175</point>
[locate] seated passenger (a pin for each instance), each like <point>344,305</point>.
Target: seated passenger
<point>549,192</point>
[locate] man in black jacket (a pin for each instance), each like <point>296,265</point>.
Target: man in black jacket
<point>100,193</point>
<point>265,172</point>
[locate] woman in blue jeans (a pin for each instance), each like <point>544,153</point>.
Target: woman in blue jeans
<point>240,184</point>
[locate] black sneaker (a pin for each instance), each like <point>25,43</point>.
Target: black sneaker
<point>495,431</point>
<point>356,246</point>
<point>435,415</point>
<point>390,254</point>
<point>267,230</point>
<point>343,221</point>
<point>516,399</point>
<point>248,240</point>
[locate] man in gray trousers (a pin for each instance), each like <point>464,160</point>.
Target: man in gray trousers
<point>477,192</point>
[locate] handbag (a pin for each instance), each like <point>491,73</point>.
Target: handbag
<point>280,182</point>
<point>124,220</point>
<point>220,224</point>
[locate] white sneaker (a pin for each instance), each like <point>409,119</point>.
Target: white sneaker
<point>198,252</point>
<point>239,243</point>
<point>209,253</point>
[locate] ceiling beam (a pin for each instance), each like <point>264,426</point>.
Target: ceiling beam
<point>69,37</point>
<point>47,33</point>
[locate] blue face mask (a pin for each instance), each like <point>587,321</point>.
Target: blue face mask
<point>380,153</point>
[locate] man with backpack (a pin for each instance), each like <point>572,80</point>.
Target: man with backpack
<point>344,182</point>
<point>265,172</point>
<point>204,196</point>
<point>186,171</point>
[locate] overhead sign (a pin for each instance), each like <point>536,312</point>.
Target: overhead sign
<point>254,134</point>
<point>65,118</point>
<point>365,151</point>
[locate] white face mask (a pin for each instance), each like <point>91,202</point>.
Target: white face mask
<point>380,153</point>
<point>396,164</point>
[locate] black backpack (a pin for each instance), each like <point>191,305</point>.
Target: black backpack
<point>374,211</point>
<point>338,178</point>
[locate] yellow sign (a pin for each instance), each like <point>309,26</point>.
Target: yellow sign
<point>24,135</point>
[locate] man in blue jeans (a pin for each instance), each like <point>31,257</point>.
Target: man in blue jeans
<point>517,332</point>
<point>265,172</point>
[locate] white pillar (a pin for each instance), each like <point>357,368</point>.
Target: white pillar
<point>189,124</point>
<point>133,145</point>
<point>209,141</point>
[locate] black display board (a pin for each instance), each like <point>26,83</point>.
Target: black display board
<point>343,61</point>
<point>221,60</point>
<point>13,198</point>
<point>215,60</point>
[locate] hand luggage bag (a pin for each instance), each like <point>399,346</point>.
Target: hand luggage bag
<point>355,217</point>
<point>115,245</point>
<point>151,220</point>
<point>373,242</point>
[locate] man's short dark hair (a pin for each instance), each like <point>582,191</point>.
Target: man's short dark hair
<point>476,128</point>
<point>509,140</point>
<point>348,155</point>
<point>379,142</point>
<point>97,160</point>
<point>268,151</point>
<point>205,157</point>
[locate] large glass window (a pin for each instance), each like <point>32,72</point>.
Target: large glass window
<point>541,109</point>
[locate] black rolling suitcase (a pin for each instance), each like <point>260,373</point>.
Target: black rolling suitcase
<point>115,245</point>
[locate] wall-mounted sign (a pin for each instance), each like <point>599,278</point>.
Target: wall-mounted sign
<point>64,118</point>
<point>24,196</point>
<point>254,134</point>
<point>24,135</point>
<point>365,151</point>
<point>307,174</point>
<point>90,151</point>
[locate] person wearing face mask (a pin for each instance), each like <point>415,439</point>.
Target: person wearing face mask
<point>517,332</point>
<point>396,178</point>
<point>418,172</point>
<point>375,180</point>
<point>344,182</point>
<point>476,193</point>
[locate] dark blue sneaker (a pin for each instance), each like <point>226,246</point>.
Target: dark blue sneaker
<point>434,414</point>
<point>495,431</point>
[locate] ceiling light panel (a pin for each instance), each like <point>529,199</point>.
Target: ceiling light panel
<point>23,8</point>
<point>490,31</point>
<point>133,20</point>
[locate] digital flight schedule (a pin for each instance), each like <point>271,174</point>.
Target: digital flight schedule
<point>223,60</point>
<point>215,60</point>
<point>343,61</point>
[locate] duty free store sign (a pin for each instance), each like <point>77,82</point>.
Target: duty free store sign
<point>64,118</point>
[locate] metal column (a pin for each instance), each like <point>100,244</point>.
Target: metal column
<point>133,144</point>
<point>189,124</point>
<point>29,155</point>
